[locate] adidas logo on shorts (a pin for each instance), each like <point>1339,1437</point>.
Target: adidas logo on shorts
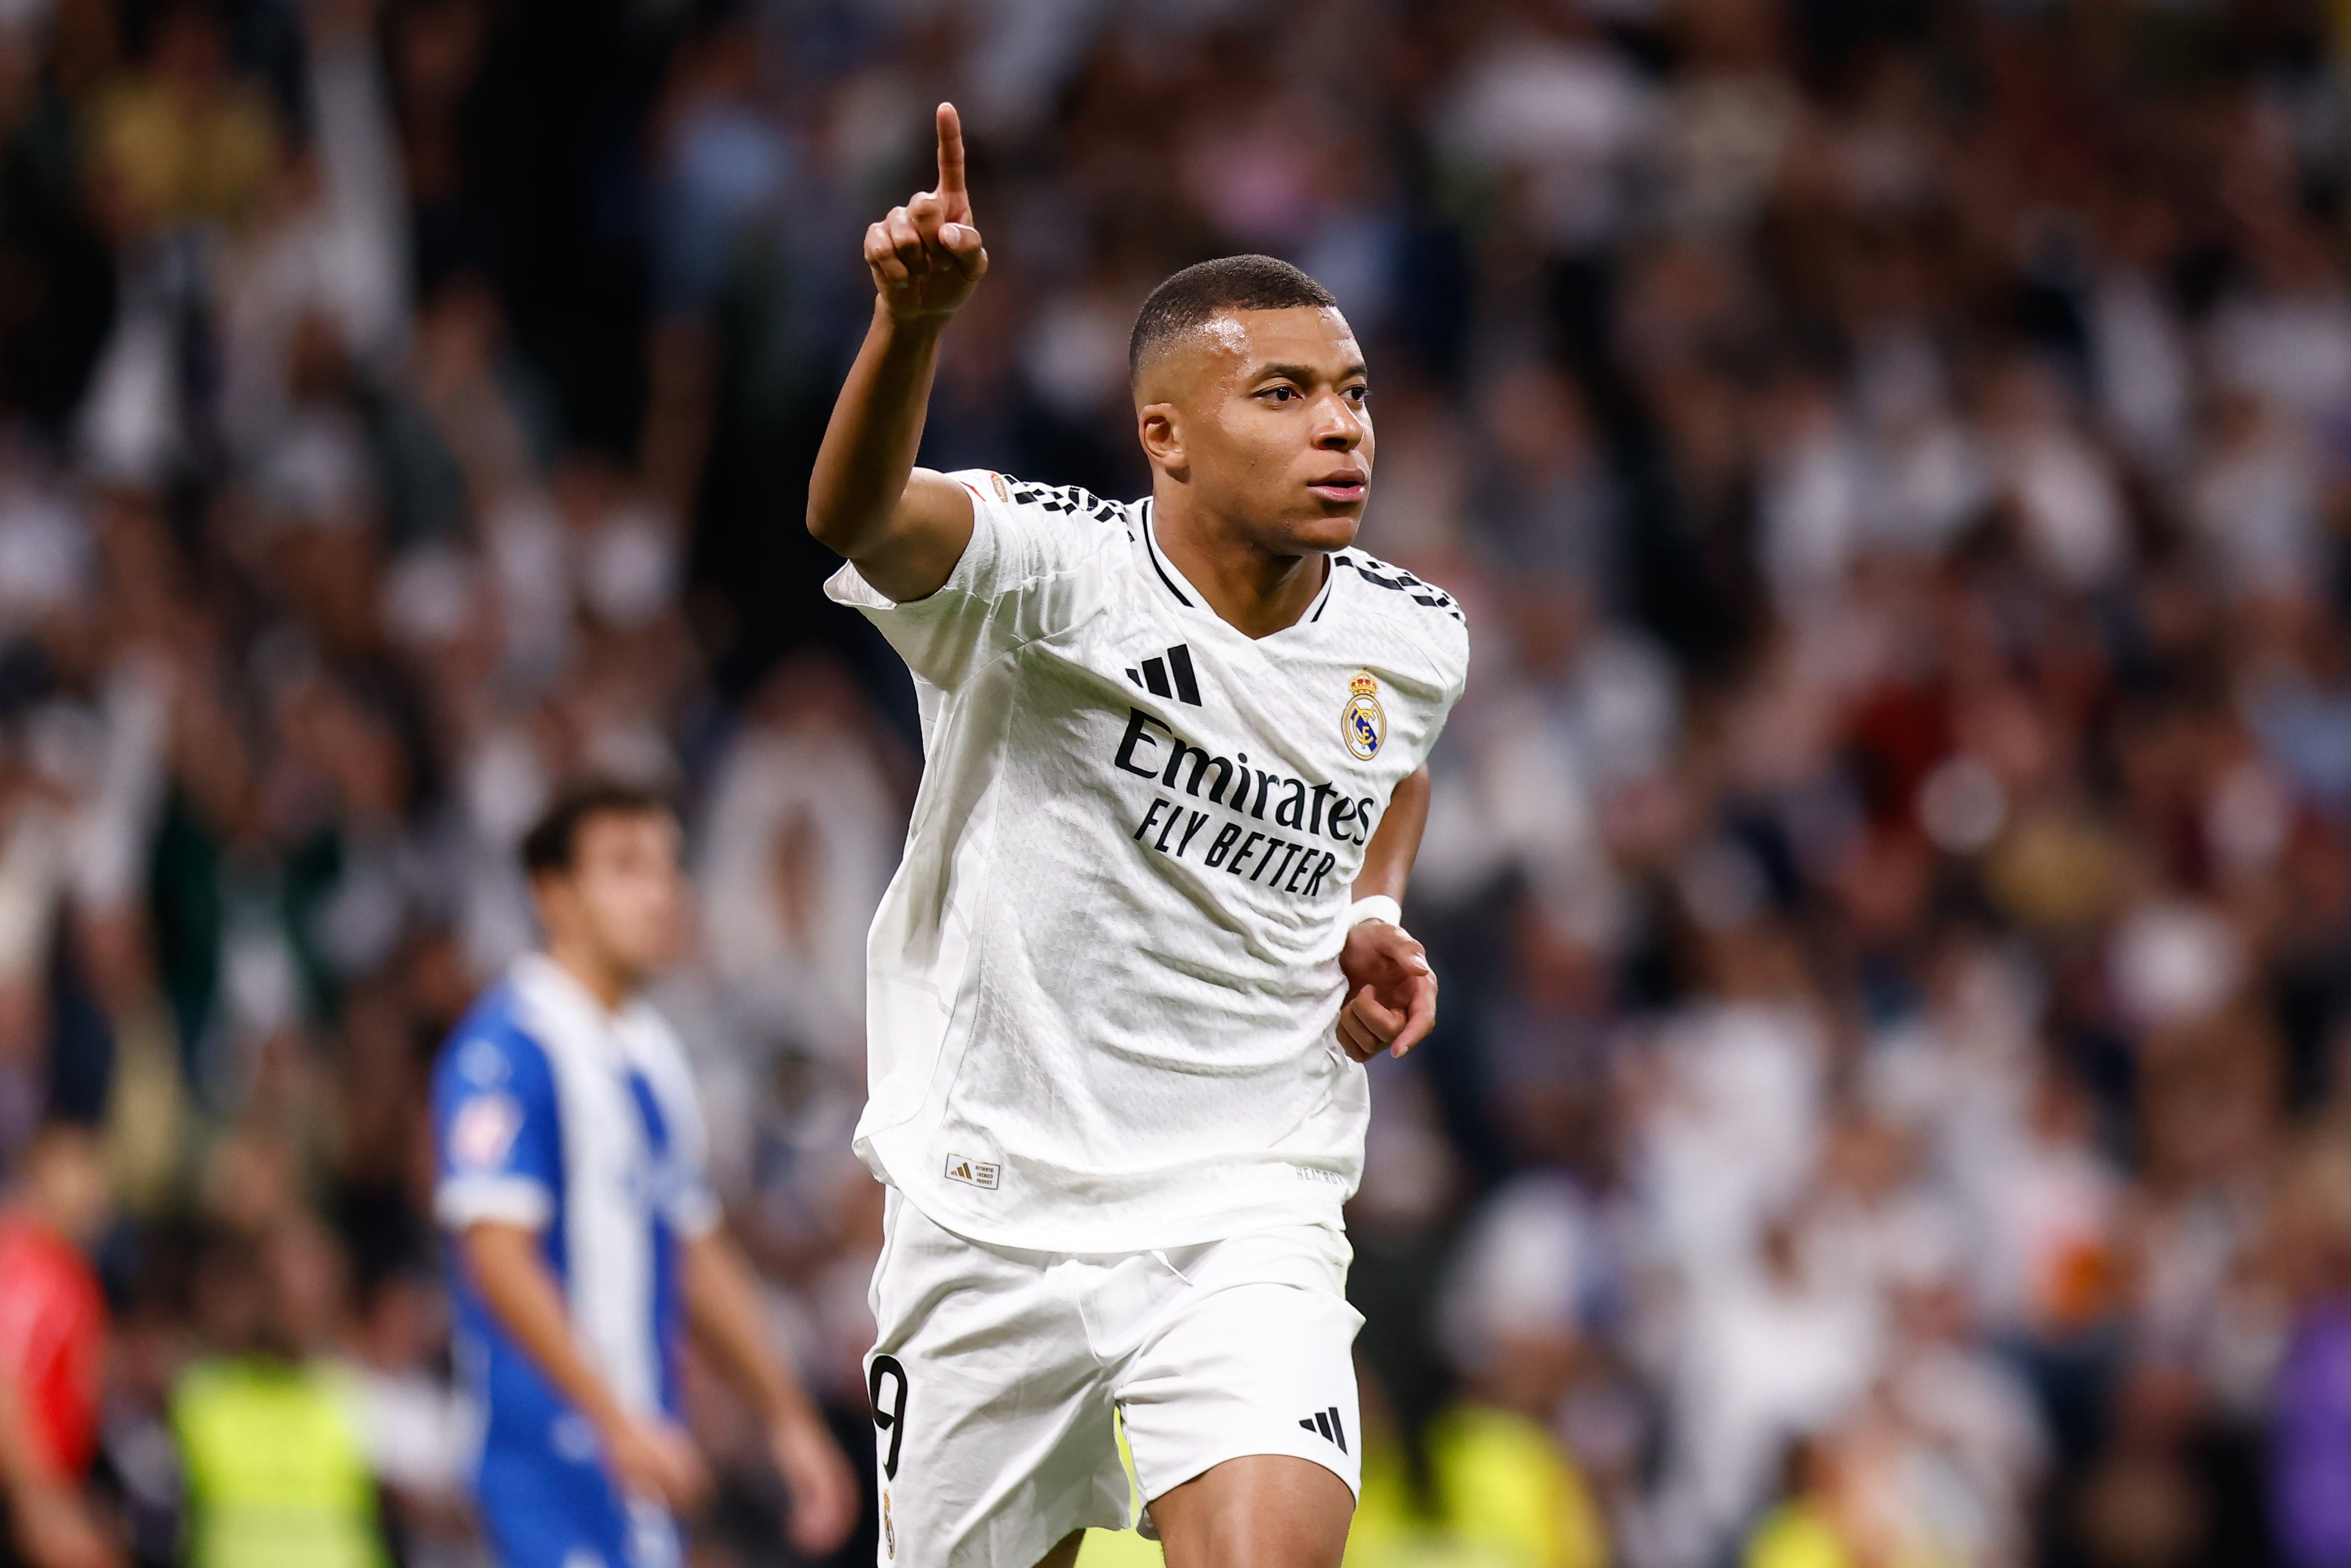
<point>1327,1423</point>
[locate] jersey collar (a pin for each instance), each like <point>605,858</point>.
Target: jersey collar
<point>567,1005</point>
<point>1191,598</point>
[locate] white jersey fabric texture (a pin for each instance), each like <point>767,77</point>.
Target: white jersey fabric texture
<point>1102,986</point>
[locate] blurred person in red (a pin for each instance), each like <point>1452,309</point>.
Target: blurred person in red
<point>53,1340</point>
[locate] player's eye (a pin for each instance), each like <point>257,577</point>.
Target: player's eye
<point>1359,395</point>
<point>1280,394</point>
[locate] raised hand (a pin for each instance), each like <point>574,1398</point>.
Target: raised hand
<point>926,257</point>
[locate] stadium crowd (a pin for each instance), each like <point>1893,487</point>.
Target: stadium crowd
<point>1891,874</point>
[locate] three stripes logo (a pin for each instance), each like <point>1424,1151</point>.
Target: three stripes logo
<point>1153,676</point>
<point>1327,1423</point>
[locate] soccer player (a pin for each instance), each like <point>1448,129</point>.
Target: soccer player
<point>1145,934</point>
<point>589,1244</point>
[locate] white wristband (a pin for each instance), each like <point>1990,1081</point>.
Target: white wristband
<point>1379,906</point>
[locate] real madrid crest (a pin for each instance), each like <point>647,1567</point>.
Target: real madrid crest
<point>1362,723</point>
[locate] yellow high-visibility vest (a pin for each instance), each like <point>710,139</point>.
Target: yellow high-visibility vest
<point>1506,1496</point>
<point>276,1474</point>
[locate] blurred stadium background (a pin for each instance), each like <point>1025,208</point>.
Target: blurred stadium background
<point>1891,874</point>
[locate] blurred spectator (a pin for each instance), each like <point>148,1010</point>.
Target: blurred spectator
<point>53,1351</point>
<point>184,141</point>
<point>271,1436</point>
<point>417,1428</point>
<point>1483,1478</point>
<point>2311,1431</point>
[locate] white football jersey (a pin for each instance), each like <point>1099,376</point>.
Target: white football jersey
<point>1104,984</point>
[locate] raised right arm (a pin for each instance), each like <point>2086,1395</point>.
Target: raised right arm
<point>904,526</point>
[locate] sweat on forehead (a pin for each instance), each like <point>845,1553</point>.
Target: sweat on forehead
<point>1229,333</point>
<point>1209,294</point>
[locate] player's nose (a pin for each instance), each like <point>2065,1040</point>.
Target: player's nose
<point>1340,428</point>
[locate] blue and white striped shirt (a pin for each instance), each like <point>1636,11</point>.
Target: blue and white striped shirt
<point>552,1113</point>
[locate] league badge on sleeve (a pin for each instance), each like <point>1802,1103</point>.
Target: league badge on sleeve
<point>1361,722</point>
<point>483,1130</point>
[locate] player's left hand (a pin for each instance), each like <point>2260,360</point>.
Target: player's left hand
<point>824,1492</point>
<point>1391,991</point>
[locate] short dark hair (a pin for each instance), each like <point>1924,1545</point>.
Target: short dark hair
<point>554,838</point>
<point>1201,292</point>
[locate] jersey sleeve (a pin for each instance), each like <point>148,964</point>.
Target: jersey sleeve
<point>1455,662</point>
<point>1452,675</point>
<point>1431,640</point>
<point>496,1138</point>
<point>1023,576</point>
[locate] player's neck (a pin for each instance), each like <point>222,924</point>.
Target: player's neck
<point>1250,589</point>
<point>605,982</point>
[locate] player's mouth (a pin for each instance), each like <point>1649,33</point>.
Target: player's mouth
<point>1344,488</point>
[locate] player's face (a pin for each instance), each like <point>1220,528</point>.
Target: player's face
<point>67,1173</point>
<point>1273,422</point>
<point>624,899</point>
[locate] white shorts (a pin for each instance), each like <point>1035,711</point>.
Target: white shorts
<point>998,1372</point>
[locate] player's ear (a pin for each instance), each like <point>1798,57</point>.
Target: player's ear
<point>550,898</point>
<point>1161,428</point>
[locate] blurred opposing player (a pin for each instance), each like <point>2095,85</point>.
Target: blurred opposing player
<point>570,1153</point>
<point>1174,784</point>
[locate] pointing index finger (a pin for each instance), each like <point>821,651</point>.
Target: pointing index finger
<point>951,186</point>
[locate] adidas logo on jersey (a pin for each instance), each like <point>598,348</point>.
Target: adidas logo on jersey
<point>974,1173</point>
<point>1153,676</point>
<point>1327,1423</point>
